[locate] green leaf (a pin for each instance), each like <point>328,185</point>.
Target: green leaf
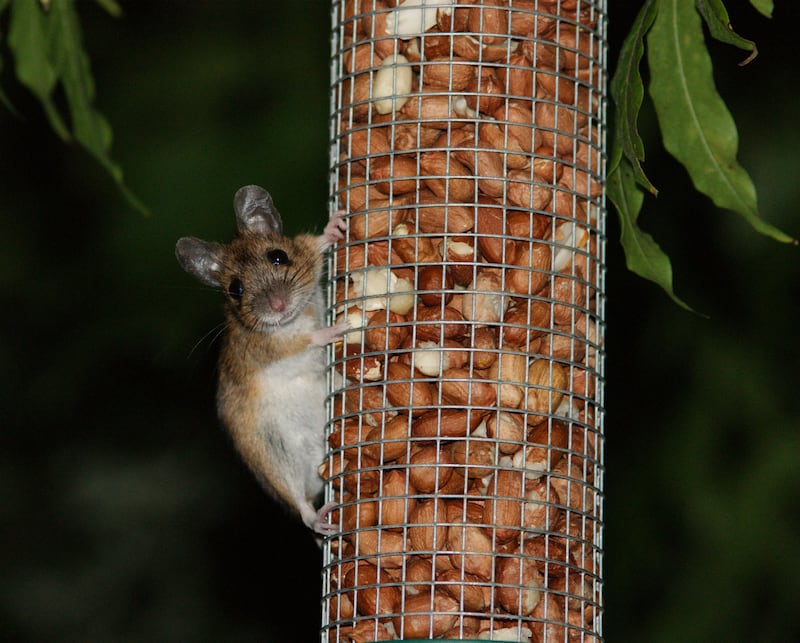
<point>111,7</point>
<point>27,39</point>
<point>764,7</point>
<point>696,127</point>
<point>643,255</point>
<point>3,98</point>
<point>72,67</point>
<point>719,25</point>
<point>627,90</point>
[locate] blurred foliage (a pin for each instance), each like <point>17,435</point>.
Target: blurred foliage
<point>125,514</point>
<point>696,126</point>
<point>49,59</point>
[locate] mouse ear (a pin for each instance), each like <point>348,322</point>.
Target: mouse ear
<point>255,211</point>
<point>201,259</point>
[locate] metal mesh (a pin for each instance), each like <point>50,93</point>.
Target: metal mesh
<point>466,402</point>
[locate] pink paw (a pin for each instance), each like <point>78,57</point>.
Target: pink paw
<point>323,524</point>
<point>334,231</point>
<point>329,334</point>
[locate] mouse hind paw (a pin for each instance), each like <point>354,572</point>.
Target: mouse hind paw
<point>324,524</point>
<point>320,521</point>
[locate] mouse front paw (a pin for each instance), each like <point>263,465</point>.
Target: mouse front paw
<point>335,229</point>
<point>329,334</point>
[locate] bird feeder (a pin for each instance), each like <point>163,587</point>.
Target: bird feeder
<point>465,435</point>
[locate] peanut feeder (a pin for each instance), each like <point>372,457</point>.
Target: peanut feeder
<point>466,419</point>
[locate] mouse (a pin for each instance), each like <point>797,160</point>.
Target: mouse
<point>271,385</point>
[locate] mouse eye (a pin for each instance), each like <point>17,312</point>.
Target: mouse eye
<point>278,258</point>
<point>235,288</point>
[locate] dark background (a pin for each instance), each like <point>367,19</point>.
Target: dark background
<point>125,514</point>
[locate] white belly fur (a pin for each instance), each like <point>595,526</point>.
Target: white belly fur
<point>292,411</point>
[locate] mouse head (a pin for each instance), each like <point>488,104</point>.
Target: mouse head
<point>267,278</point>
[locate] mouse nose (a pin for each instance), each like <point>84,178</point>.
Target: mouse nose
<point>277,303</point>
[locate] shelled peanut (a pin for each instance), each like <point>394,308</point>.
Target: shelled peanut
<point>466,447</point>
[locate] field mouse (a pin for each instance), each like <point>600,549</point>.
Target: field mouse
<point>271,386</point>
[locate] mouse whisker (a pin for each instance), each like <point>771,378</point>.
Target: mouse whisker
<point>216,331</point>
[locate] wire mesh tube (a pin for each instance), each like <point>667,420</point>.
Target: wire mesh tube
<point>466,418</point>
